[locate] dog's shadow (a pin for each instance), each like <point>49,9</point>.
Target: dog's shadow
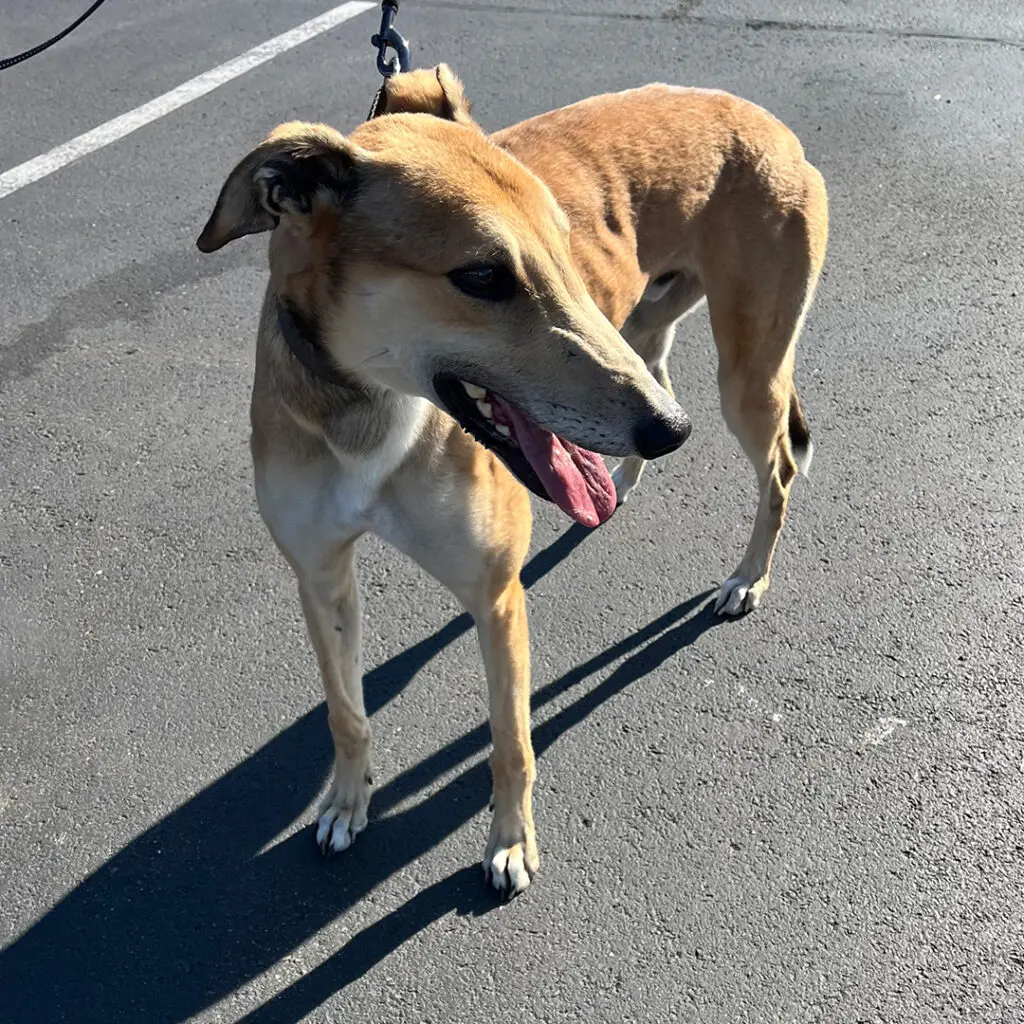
<point>192,909</point>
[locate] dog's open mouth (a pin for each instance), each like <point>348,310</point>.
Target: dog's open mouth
<point>575,479</point>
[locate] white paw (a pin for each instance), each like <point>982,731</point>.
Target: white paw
<point>625,477</point>
<point>511,859</point>
<point>739,596</point>
<point>343,812</point>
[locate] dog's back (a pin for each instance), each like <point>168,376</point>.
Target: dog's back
<point>637,170</point>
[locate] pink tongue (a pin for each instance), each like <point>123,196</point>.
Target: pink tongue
<point>576,480</point>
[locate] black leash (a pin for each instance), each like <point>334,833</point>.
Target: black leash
<point>9,62</point>
<point>388,36</point>
<point>402,61</point>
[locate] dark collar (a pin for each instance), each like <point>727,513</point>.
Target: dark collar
<point>300,335</point>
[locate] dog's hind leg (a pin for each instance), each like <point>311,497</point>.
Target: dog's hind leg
<point>332,608</point>
<point>759,290</point>
<point>758,411</point>
<point>650,331</point>
<point>653,347</point>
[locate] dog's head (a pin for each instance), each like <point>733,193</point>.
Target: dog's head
<point>432,262</point>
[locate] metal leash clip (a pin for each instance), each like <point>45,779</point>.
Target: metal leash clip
<point>389,36</point>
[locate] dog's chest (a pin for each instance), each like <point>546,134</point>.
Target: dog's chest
<point>313,507</point>
<point>349,501</point>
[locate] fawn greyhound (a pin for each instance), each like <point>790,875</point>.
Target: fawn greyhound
<point>451,314</point>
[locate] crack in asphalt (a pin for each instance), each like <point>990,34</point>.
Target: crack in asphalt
<point>682,14</point>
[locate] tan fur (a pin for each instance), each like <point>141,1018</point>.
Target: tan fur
<point>589,205</point>
<point>729,201</point>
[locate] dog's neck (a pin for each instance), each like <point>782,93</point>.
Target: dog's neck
<point>362,422</point>
<point>303,342</point>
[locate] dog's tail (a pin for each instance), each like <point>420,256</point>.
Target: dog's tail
<point>800,442</point>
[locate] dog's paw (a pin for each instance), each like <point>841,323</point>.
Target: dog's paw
<point>625,476</point>
<point>344,809</point>
<point>511,859</point>
<point>739,596</point>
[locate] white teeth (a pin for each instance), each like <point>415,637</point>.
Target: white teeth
<point>502,429</point>
<point>473,391</point>
<point>485,408</point>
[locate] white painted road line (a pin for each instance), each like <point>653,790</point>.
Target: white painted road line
<point>40,166</point>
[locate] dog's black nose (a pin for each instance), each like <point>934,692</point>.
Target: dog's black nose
<point>662,434</point>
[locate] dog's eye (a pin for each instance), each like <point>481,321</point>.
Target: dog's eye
<point>491,281</point>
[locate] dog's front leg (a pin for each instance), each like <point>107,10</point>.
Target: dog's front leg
<point>511,859</point>
<point>476,546</point>
<point>330,601</point>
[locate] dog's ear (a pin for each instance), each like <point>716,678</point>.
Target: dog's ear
<point>298,166</point>
<point>434,91</point>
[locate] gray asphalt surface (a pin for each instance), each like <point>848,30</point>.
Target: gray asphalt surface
<point>810,815</point>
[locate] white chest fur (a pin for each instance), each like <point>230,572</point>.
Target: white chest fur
<point>312,507</point>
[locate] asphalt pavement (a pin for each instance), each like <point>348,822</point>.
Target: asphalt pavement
<point>810,815</point>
